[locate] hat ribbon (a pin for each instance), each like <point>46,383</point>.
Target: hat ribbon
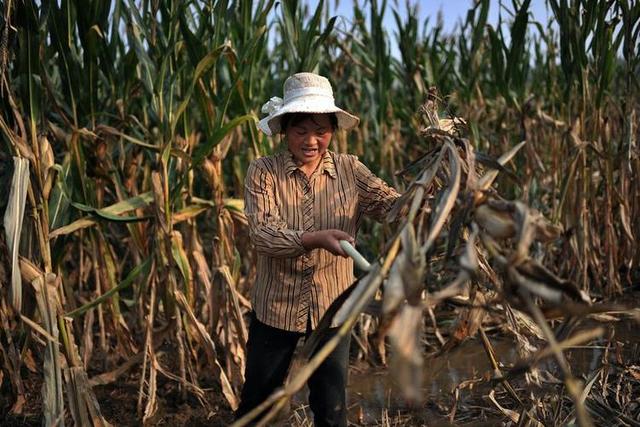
<point>272,105</point>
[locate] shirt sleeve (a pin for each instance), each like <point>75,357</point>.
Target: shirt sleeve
<point>375,197</point>
<point>267,229</point>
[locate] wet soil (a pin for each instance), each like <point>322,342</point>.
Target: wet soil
<point>453,383</point>
<point>460,380</point>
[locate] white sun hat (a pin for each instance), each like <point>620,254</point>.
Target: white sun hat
<point>304,93</point>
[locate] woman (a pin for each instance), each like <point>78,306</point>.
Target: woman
<point>300,203</point>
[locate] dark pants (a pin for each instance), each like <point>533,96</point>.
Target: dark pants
<point>269,353</point>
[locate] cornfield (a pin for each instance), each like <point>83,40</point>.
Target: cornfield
<point>125,265</point>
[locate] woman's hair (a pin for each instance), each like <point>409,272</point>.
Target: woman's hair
<point>292,119</point>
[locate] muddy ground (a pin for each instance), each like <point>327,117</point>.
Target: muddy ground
<point>457,390</point>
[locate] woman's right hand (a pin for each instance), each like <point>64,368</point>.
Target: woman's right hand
<point>326,239</point>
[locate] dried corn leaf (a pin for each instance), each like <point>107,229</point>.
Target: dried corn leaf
<point>499,225</point>
<point>407,358</point>
<point>469,258</point>
<point>47,159</point>
<point>182,261</point>
<point>513,415</point>
<point>151,407</point>
<point>233,293</point>
<point>210,350</point>
<point>29,270</point>
<point>412,267</point>
<point>447,201</point>
<point>452,125</point>
<point>188,213</point>
<point>469,265</point>
<point>539,289</point>
<point>159,200</point>
<point>487,179</point>
<point>469,320</point>
<point>524,322</point>
<point>83,404</point>
<point>360,296</point>
<point>393,288</point>
<point>624,220</point>
<point>533,270</point>
<point>13,218</point>
<point>416,190</point>
<point>525,232</point>
<point>52,402</point>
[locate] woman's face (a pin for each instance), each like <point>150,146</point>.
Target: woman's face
<point>308,140</point>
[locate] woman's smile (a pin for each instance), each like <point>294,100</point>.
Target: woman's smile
<point>308,140</point>
<point>310,151</point>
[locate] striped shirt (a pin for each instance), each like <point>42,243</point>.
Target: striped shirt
<point>293,285</point>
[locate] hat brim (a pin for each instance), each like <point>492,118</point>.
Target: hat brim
<point>271,124</point>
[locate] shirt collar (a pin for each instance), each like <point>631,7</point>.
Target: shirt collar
<point>327,164</point>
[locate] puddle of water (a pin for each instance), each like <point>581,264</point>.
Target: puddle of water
<point>624,347</point>
<point>373,390</point>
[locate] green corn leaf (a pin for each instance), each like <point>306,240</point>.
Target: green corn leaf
<point>101,213</point>
<point>515,56</point>
<point>203,66</point>
<point>204,149</point>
